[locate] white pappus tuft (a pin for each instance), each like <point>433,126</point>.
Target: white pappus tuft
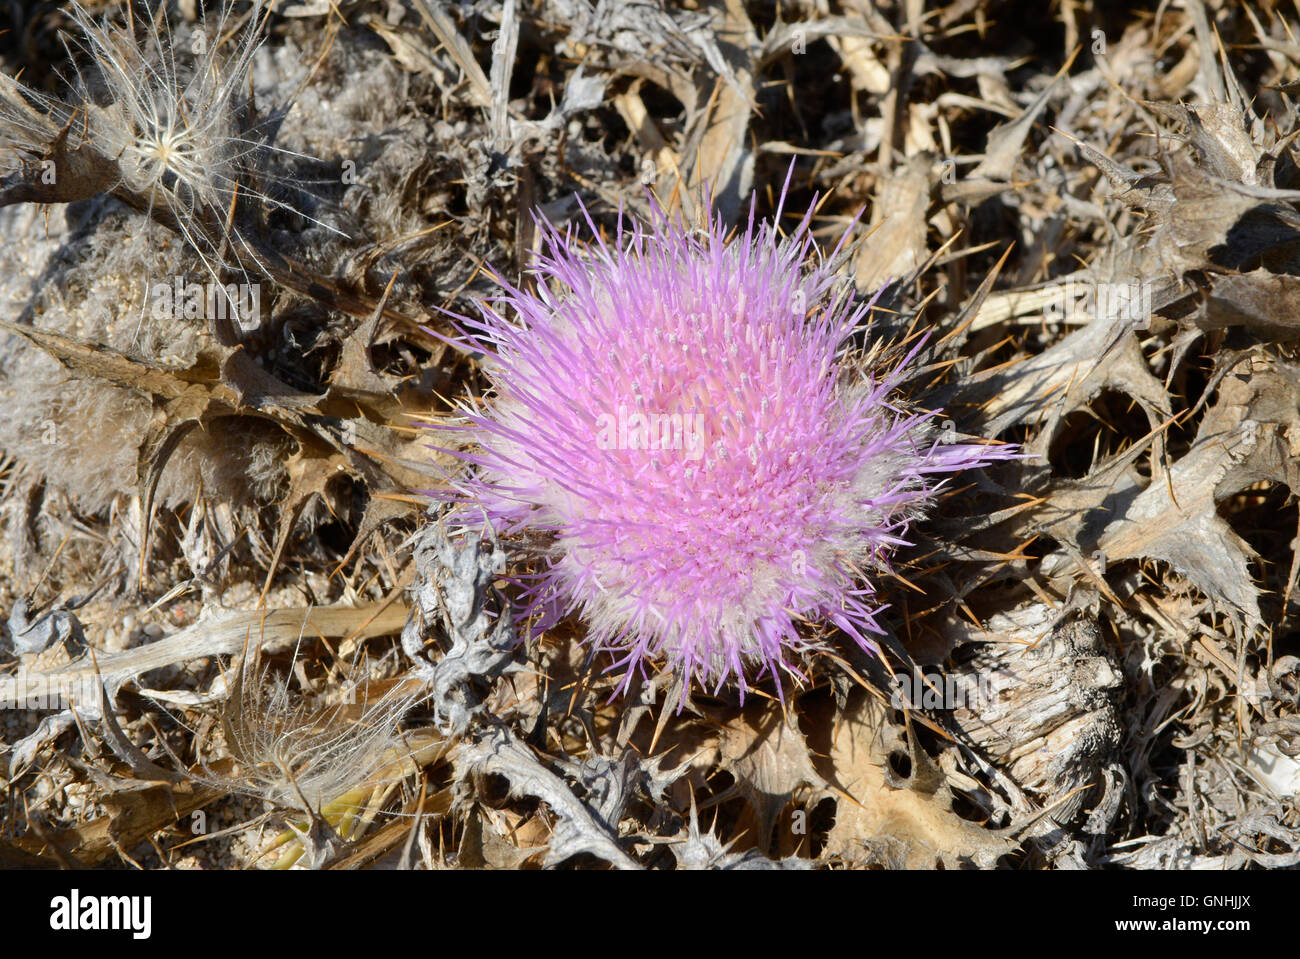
<point>174,117</point>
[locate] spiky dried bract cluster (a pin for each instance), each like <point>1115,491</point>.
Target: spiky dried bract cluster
<point>678,416</point>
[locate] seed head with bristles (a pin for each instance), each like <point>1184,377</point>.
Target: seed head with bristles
<point>678,424</point>
<point>175,117</point>
<point>300,755</point>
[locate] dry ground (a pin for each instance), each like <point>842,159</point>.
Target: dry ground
<point>182,497</point>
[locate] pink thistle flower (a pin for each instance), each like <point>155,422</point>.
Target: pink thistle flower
<point>675,419</point>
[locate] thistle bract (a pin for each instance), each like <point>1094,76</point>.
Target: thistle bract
<point>678,428</point>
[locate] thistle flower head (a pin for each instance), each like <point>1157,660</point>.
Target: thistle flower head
<point>679,422</point>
